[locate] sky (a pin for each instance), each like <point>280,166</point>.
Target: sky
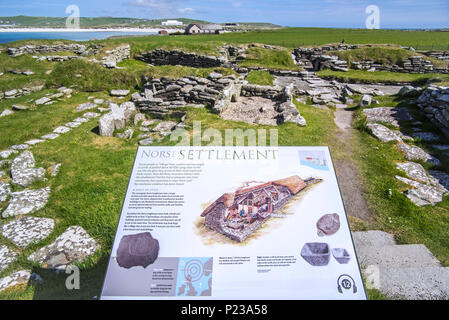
<point>295,13</point>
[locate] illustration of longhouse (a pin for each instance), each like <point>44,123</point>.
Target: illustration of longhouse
<point>237,215</point>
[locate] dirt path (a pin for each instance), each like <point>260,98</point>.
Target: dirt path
<point>348,174</point>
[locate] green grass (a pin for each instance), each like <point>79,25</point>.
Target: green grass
<point>90,188</point>
<point>174,72</point>
<point>359,76</point>
<point>267,58</point>
<point>395,213</point>
<point>296,37</point>
<point>380,54</point>
<point>262,78</point>
<point>10,81</point>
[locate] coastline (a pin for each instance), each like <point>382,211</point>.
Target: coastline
<point>136,30</point>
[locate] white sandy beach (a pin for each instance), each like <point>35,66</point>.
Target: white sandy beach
<point>136,30</point>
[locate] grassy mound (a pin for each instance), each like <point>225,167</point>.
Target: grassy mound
<point>267,58</point>
<point>381,55</point>
<point>263,78</point>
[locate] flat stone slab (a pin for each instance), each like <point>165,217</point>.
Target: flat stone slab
<point>61,130</point>
<point>119,93</point>
<point>418,283</point>
<point>86,106</point>
<point>7,256</point>
<point>426,136</point>
<point>5,191</point>
<point>17,278</point>
<point>20,147</point>
<point>50,136</point>
<point>23,172</point>
<point>383,133</point>
<point>165,126</point>
<point>27,230</point>
<point>91,115</point>
<point>414,153</point>
<point>34,142</point>
<point>74,245</point>
<point>146,142</point>
<point>19,107</point>
<point>422,194</point>
<point>6,112</point>
<point>6,153</point>
<point>27,201</point>
<point>414,171</point>
<point>81,120</point>
<point>373,238</point>
<point>413,255</point>
<point>391,116</point>
<point>41,101</point>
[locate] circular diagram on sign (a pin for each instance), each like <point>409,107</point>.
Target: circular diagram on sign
<point>193,270</point>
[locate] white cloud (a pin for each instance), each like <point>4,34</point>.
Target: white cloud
<point>186,11</point>
<point>165,8</point>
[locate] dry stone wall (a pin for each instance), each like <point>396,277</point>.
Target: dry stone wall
<point>32,49</point>
<point>174,57</point>
<point>434,101</point>
<point>319,58</point>
<point>117,55</point>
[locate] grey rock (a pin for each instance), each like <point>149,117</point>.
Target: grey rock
<point>119,93</point>
<point>383,133</point>
<point>27,230</point>
<point>106,125</point>
<point>7,256</point>
<point>441,178</point>
<point>137,250</point>
<point>129,108</point>
<point>146,142</point>
<point>328,225</point>
<point>61,130</point>
<point>20,147</point>
<point>6,153</point>
<point>372,238</point>
<point>391,116</point>
<point>316,253</point>
<point>414,171</point>
<point>72,124</point>
<point>74,245</point>
<point>86,106</point>
<point>19,107</point>
<point>17,278</point>
<point>118,114</point>
<point>139,117</point>
<point>50,136</point>
<point>422,194</point>
<point>165,126</point>
<point>366,101</point>
<point>6,112</point>
<point>41,101</point>
<point>91,115</point>
<point>414,153</point>
<point>27,201</point>
<point>127,135</point>
<point>34,142</point>
<point>23,172</point>
<point>5,191</point>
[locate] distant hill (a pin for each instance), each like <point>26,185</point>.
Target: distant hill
<point>111,22</point>
<point>98,22</point>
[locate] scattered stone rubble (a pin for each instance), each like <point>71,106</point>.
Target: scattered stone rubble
<point>15,93</point>
<point>115,56</point>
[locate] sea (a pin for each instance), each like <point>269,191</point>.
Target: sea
<point>76,36</point>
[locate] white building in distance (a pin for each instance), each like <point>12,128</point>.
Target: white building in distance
<point>172,23</point>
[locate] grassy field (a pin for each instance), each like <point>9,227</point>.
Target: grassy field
<point>266,58</point>
<point>359,76</point>
<point>296,37</point>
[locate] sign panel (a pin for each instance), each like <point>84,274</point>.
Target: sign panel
<point>243,223</point>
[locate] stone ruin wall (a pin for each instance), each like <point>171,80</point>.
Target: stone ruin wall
<point>434,102</point>
<point>32,49</point>
<point>174,57</point>
<point>117,55</point>
<point>320,60</point>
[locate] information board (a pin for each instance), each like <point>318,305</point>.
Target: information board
<point>239,223</point>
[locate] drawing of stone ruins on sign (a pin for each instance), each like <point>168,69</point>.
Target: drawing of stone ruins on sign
<point>238,215</point>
